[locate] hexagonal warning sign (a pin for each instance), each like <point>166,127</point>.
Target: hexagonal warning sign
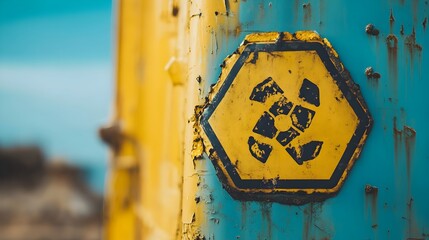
<point>285,122</point>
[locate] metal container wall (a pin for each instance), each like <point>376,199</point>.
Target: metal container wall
<point>385,195</point>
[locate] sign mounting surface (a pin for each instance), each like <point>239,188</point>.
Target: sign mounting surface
<point>285,122</point>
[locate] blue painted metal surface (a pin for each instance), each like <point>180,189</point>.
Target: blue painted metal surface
<point>395,159</point>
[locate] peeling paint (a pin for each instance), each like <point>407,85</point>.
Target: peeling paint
<point>191,231</point>
<point>197,142</point>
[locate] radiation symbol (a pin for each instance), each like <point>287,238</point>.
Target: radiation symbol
<point>285,121</point>
<point>300,116</point>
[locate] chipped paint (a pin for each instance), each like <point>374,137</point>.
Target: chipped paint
<point>197,142</point>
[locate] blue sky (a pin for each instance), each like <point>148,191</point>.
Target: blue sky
<point>52,30</point>
<point>56,78</point>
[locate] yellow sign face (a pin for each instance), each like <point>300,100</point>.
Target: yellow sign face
<point>285,121</point>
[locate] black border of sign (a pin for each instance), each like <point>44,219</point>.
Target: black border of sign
<point>352,98</point>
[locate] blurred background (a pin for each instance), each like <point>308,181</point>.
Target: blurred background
<point>56,83</point>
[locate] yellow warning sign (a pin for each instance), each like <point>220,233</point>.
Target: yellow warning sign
<point>285,122</point>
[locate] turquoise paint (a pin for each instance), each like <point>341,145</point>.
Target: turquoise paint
<point>351,214</point>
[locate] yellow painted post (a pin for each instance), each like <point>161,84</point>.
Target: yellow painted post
<point>144,186</point>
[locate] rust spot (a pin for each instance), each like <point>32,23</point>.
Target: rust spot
<point>371,189</point>
<point>397,138</point>
<point>411,46</point>
<point>376,75</point>
<point>198,79</point>
<point>311,219</point>
<point>308,219</point>
<point>410,139</point>
<point>402,30</point>
<point>392,52</point>
<point>371,29</point>
<point>307,14</point>
<point>391,20</point>
<point>371,193</point>
<point>266,216</point>
<point>372,76</point>
<point>412,224</point>
<point>425,21</point>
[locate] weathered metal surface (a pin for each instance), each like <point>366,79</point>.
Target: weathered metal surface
<point>284,122</point>
<point>394,88</point>
<point>171,54</point>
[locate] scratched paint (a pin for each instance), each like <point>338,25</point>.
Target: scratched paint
<point>383,44</point>
<point>387,213</point>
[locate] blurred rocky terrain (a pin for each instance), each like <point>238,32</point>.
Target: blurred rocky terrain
<point>42,199</point>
